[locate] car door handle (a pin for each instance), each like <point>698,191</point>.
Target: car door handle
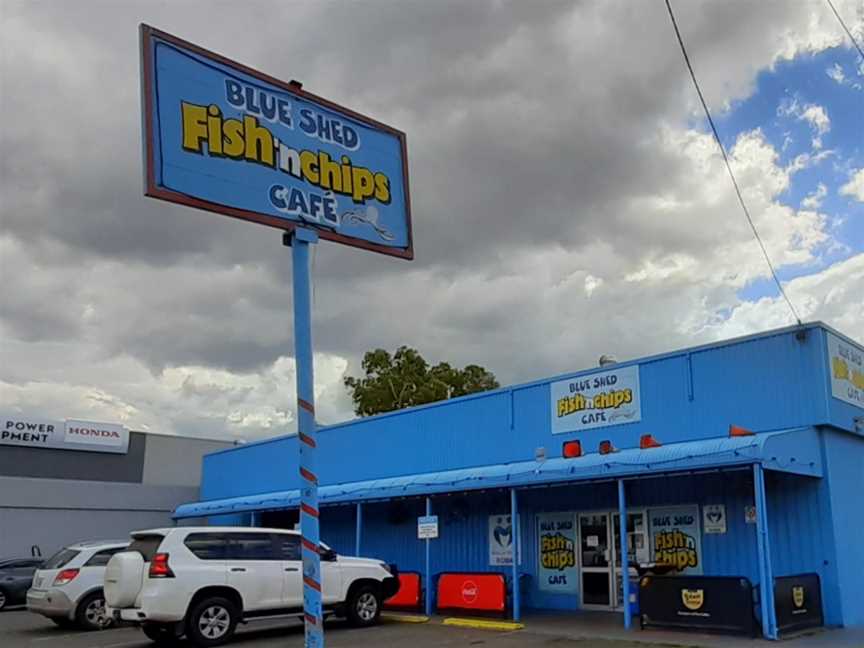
<point>238,569</point>
<point>292,569</point>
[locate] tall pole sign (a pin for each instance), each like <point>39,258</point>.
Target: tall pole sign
<point>225,138</point>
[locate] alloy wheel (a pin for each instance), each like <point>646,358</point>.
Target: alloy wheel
<point>214,622</point>
<point>95,613</point>
<point>367,606</point>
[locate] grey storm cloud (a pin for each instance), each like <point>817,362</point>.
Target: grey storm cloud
<point>537,160</point>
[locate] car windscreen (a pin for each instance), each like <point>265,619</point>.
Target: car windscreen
<point>60,559</point>
<point>146,545</point>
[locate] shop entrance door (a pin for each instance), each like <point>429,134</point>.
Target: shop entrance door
<point>595,561</point>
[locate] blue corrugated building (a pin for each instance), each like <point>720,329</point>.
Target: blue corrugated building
<point>739,458</point>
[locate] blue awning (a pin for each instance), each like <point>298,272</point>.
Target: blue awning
<point>794,451</point>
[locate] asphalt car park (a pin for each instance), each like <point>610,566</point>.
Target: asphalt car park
<point>21,629</point>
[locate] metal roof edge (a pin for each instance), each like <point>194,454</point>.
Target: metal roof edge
<point>684,456</point>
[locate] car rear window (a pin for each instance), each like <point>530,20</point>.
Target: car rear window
<point>60,559</point>
<point>101,558</point>
<point>146,545</point>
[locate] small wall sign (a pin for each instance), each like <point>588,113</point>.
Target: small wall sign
<point>750,514</point>
<point>427,527</point>
<point>714,518</point>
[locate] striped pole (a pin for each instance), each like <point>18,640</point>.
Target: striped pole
<point>300,240</point>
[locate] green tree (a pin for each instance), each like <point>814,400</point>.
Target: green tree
<point>405,379</point>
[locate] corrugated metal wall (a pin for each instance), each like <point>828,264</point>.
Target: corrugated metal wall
<point>842,509</point>
<point>767,383</point>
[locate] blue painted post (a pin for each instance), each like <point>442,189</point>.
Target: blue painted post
<point>300,240</point>
<point>428,577</point>
<point>514,522</point>
<point>625,567</point>
<point>358,532</point>
<point>766,576</point>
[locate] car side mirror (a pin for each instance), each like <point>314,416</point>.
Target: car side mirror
<point>328,555</point>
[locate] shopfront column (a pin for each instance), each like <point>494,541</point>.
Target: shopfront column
<point>766,576</point>
<point>625,567</point>
<point>359,530</point>
<point>427,578</point>
<point>517,551</point>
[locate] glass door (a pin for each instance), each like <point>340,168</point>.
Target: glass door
<point>594,556</point>
<point>638,550</point>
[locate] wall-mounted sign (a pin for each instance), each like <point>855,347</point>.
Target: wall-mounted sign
<point>596,400</point>
<point>500,540</point>
<point>556,571</point>
<point>223,137</point>
<point>31,432</point>
<point>714,518</point>
<point>675,538</point>
<point>846,364</point>
<point>427,527</point>
<point>750,514</point>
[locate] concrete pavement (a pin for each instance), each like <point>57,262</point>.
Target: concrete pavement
<point>20,629</point>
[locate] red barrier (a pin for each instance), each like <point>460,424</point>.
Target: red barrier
<point>476,592</point>
<point>407,597</point>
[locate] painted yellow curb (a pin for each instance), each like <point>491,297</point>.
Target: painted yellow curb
<point>483,624</point>
<point>405,618</point>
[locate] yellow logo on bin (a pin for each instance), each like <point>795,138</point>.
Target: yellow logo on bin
<point>798,596</point>
<point>693,599</point>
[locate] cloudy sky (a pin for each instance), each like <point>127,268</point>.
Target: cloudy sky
<point>568,199</point>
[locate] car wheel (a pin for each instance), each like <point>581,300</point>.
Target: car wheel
<point>364,606</point>
<point>160,634</point>
<point>4,600</point>
<point>90,614</point>
<point>212,622</point>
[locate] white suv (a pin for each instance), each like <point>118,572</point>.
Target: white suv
<point>202,581</point>
<point>67,588</point>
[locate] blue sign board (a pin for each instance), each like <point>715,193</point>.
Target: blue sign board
<point>223,137</point>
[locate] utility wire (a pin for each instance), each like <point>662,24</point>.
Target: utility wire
<point>729,166</point>
<point>848,33</point>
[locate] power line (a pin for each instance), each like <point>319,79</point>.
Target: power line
<point>848,33</point>
<point>729,166</point>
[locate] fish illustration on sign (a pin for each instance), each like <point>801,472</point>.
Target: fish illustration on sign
<point>369,217</point>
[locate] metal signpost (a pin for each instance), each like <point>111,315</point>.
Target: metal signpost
<point>226,138</point>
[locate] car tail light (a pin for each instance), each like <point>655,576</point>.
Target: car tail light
<point>159,567</point>
<point>65,576</point>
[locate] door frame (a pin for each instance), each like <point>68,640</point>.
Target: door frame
<point>595,570</point>
<point>612,569</point>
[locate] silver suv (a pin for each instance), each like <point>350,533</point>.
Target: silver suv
<point>67,588</point>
